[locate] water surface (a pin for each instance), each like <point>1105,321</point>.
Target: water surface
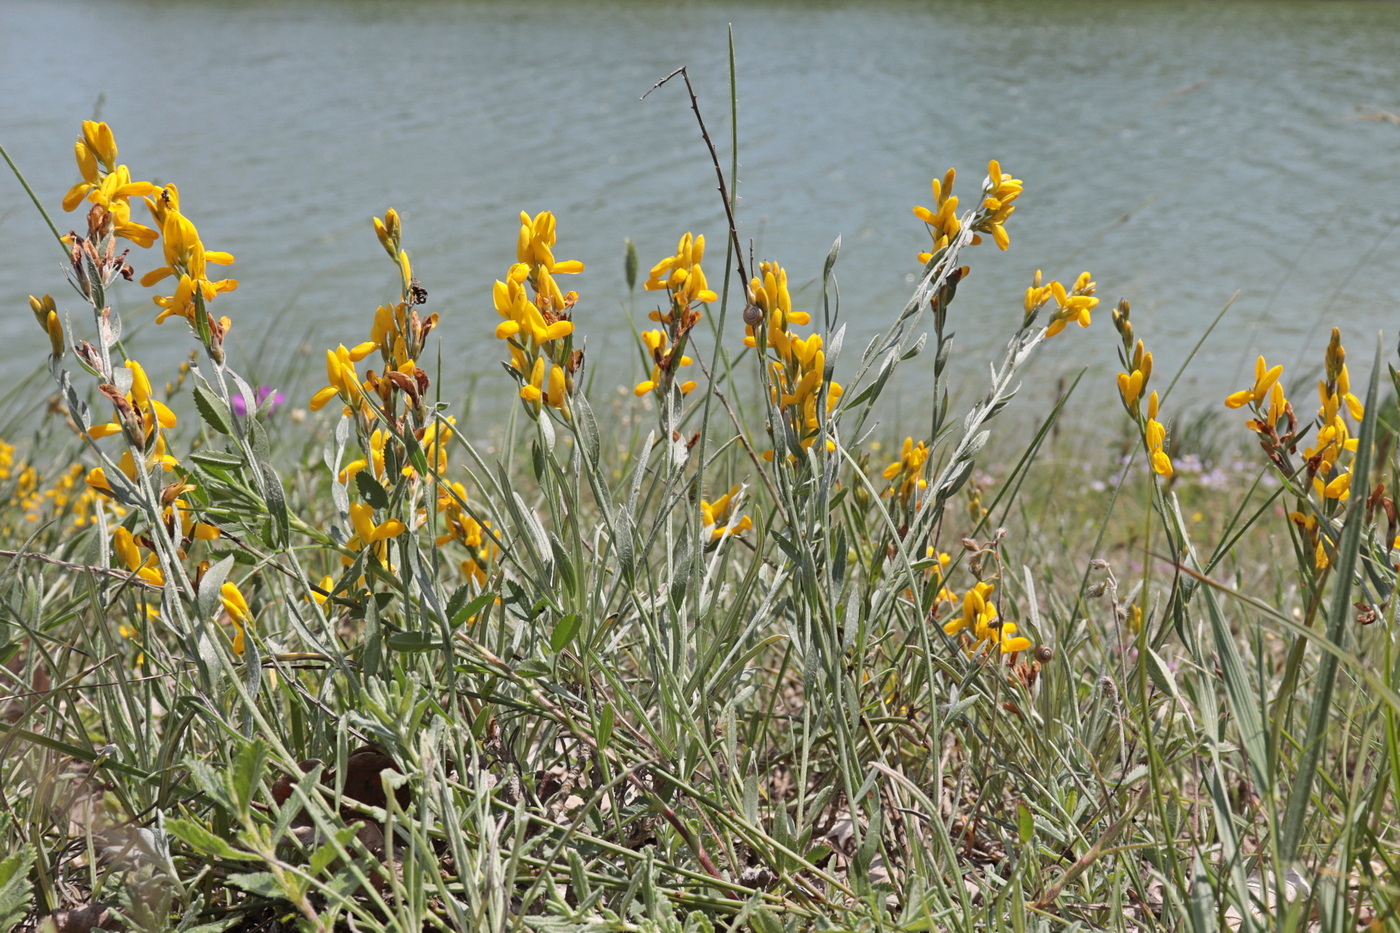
<point>1186,153</point>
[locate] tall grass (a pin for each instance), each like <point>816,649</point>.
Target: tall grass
<point>710,657</point>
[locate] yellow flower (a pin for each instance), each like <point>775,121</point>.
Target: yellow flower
<point>1276,413</point>
<point>768,291</point>
<point>344,380</point>
<point>1130,385</point>
<point>377,439</point>
<point>177,515</point>
<point>96,478</point>
<point>465,530</point>
<point>717,517</point>
<point>389,230</point>
<point>999,190</point>
<point>186,260</point>
<point>535,314</point>
<point>108,184</point>
<point>1036,295</point>
<point>980,627</point>
<point>942,220</point>
<point>1072,306</point>
<point>681,275</point>
<point>523,316</point>
<point>1155,435</point>
<point>664,361</point>
<point>368,533</point>
<point>906,473</point>
<point>797,365</point>
<point>238,613</point>
<point>1264,378</point>
<point>142,405</point>
<point>145,567</point>
<point>535,245</point>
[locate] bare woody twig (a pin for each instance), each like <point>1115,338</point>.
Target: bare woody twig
<point>719,173</point>
<point>738,254</point>
<point>126,576</point>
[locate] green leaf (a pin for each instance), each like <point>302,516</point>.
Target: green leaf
<point>461,614</point>
<point>216,460</point>
<point>412,641</point>
<point>587,427</point>
<point>371,491</point>
<point>280,530</point>
<point>531,668</point>
<point>245,775</point>
<point>201,840</point>
<point>1162,677</point>
<point>212,410</point>
<point>329,850</point>
<point>1025,823</point>
<point>416,457</point>
<point>261,883</point>
<point>606,720</point>
<point>561,561</point>
<point>629,265</point>
<point>564,631</point>
<point>763,921</point>
<point>207,601</point>
<point>15,890</point>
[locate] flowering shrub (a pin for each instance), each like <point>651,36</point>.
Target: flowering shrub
<point>727,672</point>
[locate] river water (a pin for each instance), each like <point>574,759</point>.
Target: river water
<point>1186,153</point>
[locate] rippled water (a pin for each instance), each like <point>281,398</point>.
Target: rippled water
<point>1185,152</point>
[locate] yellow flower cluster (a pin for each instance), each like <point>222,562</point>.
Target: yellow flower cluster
<point>718,517</point>
<point>1072,306</point>
<point>46,313</point>
<point>141,418</point>
<point>187,260</point>
<point>538,323</point>
<point>981,628</point>
<point>1325,461</point>
<point>138,411</point>
<point>942,221</point>
<point>1273,416</point>
<point>684,281</point>
<point>999,190</point>
<point>108,185</point>
<point>1137,360</point>
<point>1155,435</point>
<point>461,527</point>
<point>68,497</point>
<point>797,365</point>
<point>1332,479</point>
<point>906,475</point>
<point>344,378</point>
<point>399,333</point>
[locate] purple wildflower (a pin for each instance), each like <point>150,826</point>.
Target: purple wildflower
<point>240,407</point>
